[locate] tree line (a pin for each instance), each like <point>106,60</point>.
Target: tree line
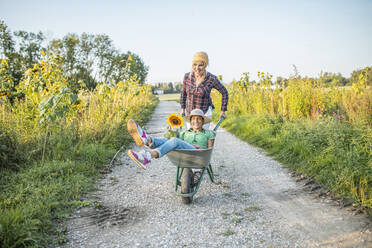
<point>88,59</point>
<point>167,88</point>
<point>330,79</point>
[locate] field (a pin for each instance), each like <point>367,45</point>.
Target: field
<point>322,132</point>
<point>55,143</point>
<point>169,97</point>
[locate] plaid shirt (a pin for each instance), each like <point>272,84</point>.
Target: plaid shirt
<point>193,97</point>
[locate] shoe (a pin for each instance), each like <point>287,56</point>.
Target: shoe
<point>197,175</point>
<point>142,159</point>
<point>138,134</point>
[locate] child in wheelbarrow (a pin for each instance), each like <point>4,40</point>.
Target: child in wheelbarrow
<point>194,138</point>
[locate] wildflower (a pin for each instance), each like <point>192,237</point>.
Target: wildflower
<point>77,104</point>
<point>4,62</point>
<point>175,120</point>
<point>42,53</point>
<point>130,58</point>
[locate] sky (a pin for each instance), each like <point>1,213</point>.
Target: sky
<point>239,36</point>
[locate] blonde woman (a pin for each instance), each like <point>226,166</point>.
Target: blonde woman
<point>197,86</point>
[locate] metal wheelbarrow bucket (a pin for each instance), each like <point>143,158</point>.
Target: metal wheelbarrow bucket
<point>186,160</point>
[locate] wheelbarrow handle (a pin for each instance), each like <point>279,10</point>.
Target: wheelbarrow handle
<point>218,124</point>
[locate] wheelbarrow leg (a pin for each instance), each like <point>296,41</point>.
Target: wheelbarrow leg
<point>210,173</point>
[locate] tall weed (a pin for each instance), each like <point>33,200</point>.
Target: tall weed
<point>53,143</point>
<point>323,132</point>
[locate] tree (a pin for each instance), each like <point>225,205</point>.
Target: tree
<point>355,75</point>
<point>30,44</point>
<point>332,79</point>
<point>87,59</point>
<point>8,52</point>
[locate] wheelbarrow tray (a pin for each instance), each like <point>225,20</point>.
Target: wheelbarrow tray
<point>191,158</point>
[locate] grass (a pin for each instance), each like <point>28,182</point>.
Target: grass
<point>252,209</point>
<point>169,97</point>
<point>335,153</point>
<point>323,132</point>
<point>227,233</point>
<point>236,220</point>
<point>39,190</point>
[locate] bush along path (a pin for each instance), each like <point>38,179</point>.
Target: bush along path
<point>254,203</point>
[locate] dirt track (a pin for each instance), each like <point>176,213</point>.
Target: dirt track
<point>256,203</point>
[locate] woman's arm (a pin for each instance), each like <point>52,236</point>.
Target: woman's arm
<point>225,96</point>
<point>183,96</point>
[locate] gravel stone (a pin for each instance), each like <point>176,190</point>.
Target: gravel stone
<point>255,203</point>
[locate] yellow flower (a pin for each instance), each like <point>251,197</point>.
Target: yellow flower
<point>130,58</point>
<point>4,62</point>
<point>175,120</point>
<point>42,53</point>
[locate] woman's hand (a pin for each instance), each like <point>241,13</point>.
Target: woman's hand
<point>182,112</point>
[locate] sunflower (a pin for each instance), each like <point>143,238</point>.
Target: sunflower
<point>175,120</point>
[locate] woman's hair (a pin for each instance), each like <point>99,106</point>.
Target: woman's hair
<point>201,56</point>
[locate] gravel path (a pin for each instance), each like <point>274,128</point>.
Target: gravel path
<point>255,203</point>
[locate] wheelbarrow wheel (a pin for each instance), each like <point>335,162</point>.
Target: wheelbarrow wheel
<point>187,185</point>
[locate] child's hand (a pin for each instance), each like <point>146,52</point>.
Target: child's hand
<point>197,146</point>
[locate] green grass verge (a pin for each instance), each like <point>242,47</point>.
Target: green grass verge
<point>336,154</point>
<point>38,197</point>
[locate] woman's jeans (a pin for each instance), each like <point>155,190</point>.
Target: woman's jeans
<point>163,145</point>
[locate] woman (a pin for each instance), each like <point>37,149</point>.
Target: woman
<point>194,138</point>
<point>197,86</point>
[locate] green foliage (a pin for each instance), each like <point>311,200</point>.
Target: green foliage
<point>86,59</point>
<point>9,152</point>
<point>323,132</point>
<point>332,79</point>
<point>300,98</point>
<point>355,75</point>
<point>336,154</point>
<point>167,88</point>
<point>53,141</point>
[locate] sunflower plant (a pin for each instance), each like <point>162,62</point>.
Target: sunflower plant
<point>175,123</point>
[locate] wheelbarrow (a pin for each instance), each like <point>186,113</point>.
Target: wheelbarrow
<point>186,160</point>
